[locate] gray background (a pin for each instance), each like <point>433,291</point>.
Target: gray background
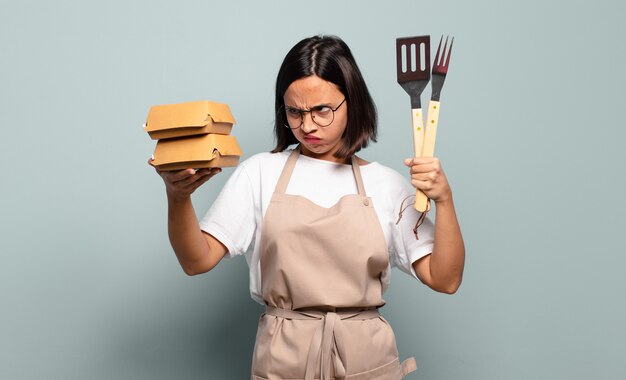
<point>530,136</point>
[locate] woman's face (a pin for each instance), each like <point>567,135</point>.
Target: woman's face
<point>315,93</point>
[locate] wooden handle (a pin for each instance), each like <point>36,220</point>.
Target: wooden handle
<point>418,131</point>
<point>432,119</point>
<point>428,147</point>
<point>418,144</point>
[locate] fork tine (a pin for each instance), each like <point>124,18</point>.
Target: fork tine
<point>440,67</point>
<point>436,62</point>
<point>449,52</point>
<point>444,53</point>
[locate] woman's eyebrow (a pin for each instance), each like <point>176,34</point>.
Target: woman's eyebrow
<point>321,105</point>
<point>310,108</point>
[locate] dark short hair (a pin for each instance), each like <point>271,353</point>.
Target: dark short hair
<point>329,58</point>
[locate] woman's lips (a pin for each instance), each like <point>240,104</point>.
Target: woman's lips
<point>312,139</point>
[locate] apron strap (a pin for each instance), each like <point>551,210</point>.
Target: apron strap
<point>327,339</point>
<point>285,175</point>
<point>357,175</point>
<point>408,366</point>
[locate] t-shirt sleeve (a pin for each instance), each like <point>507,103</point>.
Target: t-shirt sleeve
<point>231,218</point>
<point>406,249</point>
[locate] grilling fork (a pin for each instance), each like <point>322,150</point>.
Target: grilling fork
<point>440,69</point>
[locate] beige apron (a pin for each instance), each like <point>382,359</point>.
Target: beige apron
<point>320,271</point>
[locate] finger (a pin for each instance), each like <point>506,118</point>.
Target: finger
<point>189,179</point>
<point>206,174</point>
<point>431,166</point>
<point>175,178</point>
<point>197,176</point>
<point>424,160</point>
<point>421,185</point>
<point>202,179</point>
<point>209,171</point>
<point>172,176</point>
<point>422,168</point>
<point>428,176</point>
<point>193,186</point>
<point>417,160</point>
<point>153,165</point>
<point>182,175</point>
<point>215,171</point>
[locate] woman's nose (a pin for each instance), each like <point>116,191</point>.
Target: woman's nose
<point>308,124</point>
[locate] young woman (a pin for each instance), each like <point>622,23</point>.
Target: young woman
<point>320,227</point>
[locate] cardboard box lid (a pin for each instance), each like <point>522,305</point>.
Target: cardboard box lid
<point>195,148</point>
<point>189,114</point>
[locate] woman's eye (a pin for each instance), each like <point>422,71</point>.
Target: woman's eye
<point>322,110</point>
<point>293,112</point>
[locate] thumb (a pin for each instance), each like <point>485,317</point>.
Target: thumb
<point>408,161</point>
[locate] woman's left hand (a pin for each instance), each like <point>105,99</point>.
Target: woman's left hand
<point>428,176</point>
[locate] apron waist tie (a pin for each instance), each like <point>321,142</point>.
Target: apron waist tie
<point>327,339</point>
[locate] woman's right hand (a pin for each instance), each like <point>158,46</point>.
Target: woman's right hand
<point>180,184</point>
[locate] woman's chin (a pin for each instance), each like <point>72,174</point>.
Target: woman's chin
<point>320,152</point>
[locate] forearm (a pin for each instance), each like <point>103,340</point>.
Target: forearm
<point>189,244</point>
<point>448,256</point>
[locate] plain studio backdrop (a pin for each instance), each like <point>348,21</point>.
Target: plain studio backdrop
<point>531,136</point>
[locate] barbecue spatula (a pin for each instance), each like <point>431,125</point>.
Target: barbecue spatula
<point>413,68</point>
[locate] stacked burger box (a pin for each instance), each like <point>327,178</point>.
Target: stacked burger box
<point>192,135</point>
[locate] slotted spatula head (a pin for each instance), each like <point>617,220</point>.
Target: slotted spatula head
<point>413,66</point>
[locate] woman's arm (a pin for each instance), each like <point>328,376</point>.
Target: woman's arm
<point>197,252</point>
<point>442,270</point>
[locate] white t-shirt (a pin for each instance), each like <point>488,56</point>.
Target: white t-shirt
<point>236,216</point>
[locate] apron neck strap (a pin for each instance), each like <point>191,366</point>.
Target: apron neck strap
<point>283,181</point>
<point>357,176</point>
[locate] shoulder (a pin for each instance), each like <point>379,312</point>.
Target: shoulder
<point>263,167</point>
<point>386,184</point>
<point>262,160</point>
<point>384,176</point>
